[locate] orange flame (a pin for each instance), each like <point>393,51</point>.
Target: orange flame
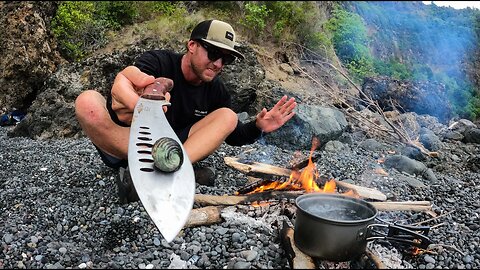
<point>259,204</point>
<point>415,251</point>
<point>304,180</point>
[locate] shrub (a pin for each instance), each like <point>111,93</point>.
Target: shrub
<point>350,41</point>
<point>255,17</point>
<point>75,28</point>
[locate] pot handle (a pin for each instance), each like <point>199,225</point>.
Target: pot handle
<point>416,236</point>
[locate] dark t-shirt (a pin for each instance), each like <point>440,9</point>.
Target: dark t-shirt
<point>191,103</point>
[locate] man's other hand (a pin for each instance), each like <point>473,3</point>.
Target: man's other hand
<point>269,121</point>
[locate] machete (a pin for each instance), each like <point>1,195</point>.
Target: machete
<point>167,197</point>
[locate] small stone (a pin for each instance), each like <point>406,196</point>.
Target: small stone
<point>8,238</point>
<point>467,259</point>
<point>429,259</point>
<point>242,265</point>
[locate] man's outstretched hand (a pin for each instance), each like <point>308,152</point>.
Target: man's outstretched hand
<point>269,121</point>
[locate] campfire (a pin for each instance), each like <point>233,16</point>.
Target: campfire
<point>305,180</point>
<point>271,183</point>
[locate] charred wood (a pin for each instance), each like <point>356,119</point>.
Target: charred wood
<point>296,258</point>
<point>302,164</point>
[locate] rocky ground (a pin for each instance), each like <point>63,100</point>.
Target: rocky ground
<point>59,209</point>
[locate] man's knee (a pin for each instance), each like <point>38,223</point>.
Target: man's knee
<point>87,106</point>
<point>229,118</point>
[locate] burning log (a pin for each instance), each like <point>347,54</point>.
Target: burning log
<point>257,167</point>
<point>302,164</point>
<point>253,167</point>
<point>296,258</point>
<point>204,216</point>
<point>204,199</point>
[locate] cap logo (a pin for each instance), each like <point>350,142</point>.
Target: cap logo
<point>229,35</point>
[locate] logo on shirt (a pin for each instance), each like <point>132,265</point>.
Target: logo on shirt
<point>200,113</point>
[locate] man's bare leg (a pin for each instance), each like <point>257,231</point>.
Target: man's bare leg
<point>209,133</point>
<point>93,116</point>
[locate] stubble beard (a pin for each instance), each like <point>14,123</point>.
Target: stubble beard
<point>198,71</point>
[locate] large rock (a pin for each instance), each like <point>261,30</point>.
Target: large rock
<point>419,97</point>
<point>310,121</point>
<point>471,135</point>
<point>52,114</point>
<point>28,54</point>
<point>410,166</point>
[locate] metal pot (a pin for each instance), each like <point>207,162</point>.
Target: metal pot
<point>337,228</point>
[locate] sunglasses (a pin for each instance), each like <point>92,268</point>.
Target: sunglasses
<point>214,54</point>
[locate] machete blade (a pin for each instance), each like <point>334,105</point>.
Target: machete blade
<point>167,197</point>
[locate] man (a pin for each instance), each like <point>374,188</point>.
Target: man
<point>200,111</point>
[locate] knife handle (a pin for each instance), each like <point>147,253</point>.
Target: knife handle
<point>157,89</point>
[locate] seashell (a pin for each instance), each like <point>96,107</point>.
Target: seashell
<point>167,154</point>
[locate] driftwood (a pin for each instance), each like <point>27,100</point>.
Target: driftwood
<point>204,216</point>
<point>204,199</point>
<point>226,200</point>
<point>257,167</point>
<point>296,258</point>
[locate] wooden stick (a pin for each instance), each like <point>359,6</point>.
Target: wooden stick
<point>376,260</point>
<point>257,167</point>
<point>296,258</point>
<point>403,206</point>
<point>204,199</point>
<point>364,192</point>
<point>204,216</point>
<point>434,218</point>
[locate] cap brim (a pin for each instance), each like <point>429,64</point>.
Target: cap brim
<point>225,47</point>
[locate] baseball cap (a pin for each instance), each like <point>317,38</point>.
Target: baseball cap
<point>217,33</point>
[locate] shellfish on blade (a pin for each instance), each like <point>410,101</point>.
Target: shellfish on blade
<point>167,154</point>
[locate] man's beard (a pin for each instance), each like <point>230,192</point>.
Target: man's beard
<point>199,73</point>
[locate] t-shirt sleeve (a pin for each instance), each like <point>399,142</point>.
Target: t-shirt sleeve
<point>244,133</point>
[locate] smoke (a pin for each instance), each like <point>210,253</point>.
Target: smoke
<point>434,43</point>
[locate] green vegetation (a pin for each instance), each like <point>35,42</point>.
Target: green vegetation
<point>280,22</point>
<point>75,28</point>
<point>255,16</point>
<point>349,37</point>
<point>81,27</point>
